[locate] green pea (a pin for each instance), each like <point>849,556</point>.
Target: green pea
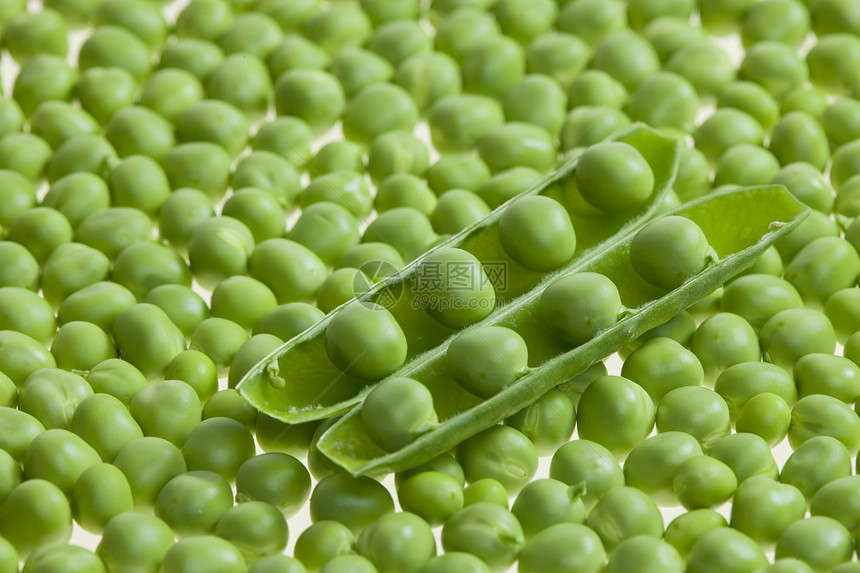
<point>404,190</point>
<point>397,542</point>
<point>104,422</point>
<point>117,378</point>
<point>846,201</point>
<point>141,18</point>
<point>296,52</point>
<point>143,266</point>
<point>696,411</point>
<point>644,553</point>
<point>22,355</point>
<point>193,502</point>
<point>197,56</point>
<point>146,337</point>
<point>501,453</point>
<point>148,463</point>
<point>683,531</point>
<point>201,165</point>
<point>547,502</point>
<point>276,478</point>
<point>204,19</point>
<point>287,320</point>
<point>251,33</point>
<point>444,463</point>
<point>456,209</point>
<point>100,493</point>
<point>340,155</point>
<point>517,144</point>
<point>82,153</point>
<point>41,230</point>
<point>821,542</point>
<point>43,77</point>
<point>746,165</point>
<point>449,302</point>
<point>725,549</point>
<point>457,171</point>
<point>321,542</point>
<point>49,558</point>
<point>241,80</point>
<point>493,66</point>
<point>292,271</point>
<point>776,20</point>
<point>219,445</point>
<point>832,63</point>
<point>841,121</point>
<point>24,311</point>
<point>18,195</point>
<point>615,413</point>
<point>650,466</point>
<point>219,247</point>
<point>486,360</point>
<point>723,340</point>
<point>838,499</point>
<point>277,563</point>
<point>287,136</point>
<point>487,531</point>
<point>815,463</point>
<point>112,46</point>
<point>726,128</point>
<point>661,365</point>
<point>185,308</point>
<point>506,184</point>
<point>763,508</point>
<point>270,173</point>
<point>631,184</point>
<point>806,98</point>
<point>169,92</point>
<point>807,184</point>
<point>351,563</point>
<point>36,513</point>
<point>182,211</point>
<point>579,306</point>
<point>822,415</point>
<point>703,482</point>
<point>77,195</point>
<point>486,490</point>
<point>524,24</point>
<point>396,152</point>
<point>747,454</point>
<point>256,528</point>
<point>464,29</point>
<point>60,457</point>
<point>668,34</point>
<point>664,100</point>
<point>589,462</point>
<point>203,553</point>
<point>347,339</point>
<point>739,383</point>
<point>314,96</point>
<point>595,88</point>
<point>823,267</point>
<point>8,392</point>
<point>21,429</point>
<point>243,300</point>
<point>757,298</point>
<point>339,27</point>
<point>376,109</point>
<point>133,539</point>
<point>799,137</point>
<point>51,395</point>
<point>827,374</point>
<point>704,64</point>
<point>404,228</point>
<point>356,68</point>
<point>753,99</point>
<point>561,56</point>
<point>11,116</point>
<point>429,77</point>
<point>815,226</point>
<point>28,34</point>
<point>627,57</point>
<point>766,415</point>
<point>455,561</point>
<point>346,188</point>
<point>219,339</point>
<point>228,403</point>
<point>537,100</point>
<point>354,501</point>
<point>547,423</point>
<point>783,340</point>
<point>622,513</point>
<point>458,122</point>
<point>57,121</point>
<point>174,424</point>
<point>433,496</point>
<point>393,427</point>
<point>591,20</point>
<point>214,121</point>
<point>832,16</point>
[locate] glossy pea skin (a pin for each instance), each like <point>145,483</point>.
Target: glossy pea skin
<point>404,228</point>
<point>252,351</point>
<point>216,122</point>
<point>821,542</point>
<point>579,306</point>
<point>683,531</point>
<point>252,33</point>
<point>493,66</point>
<point>60,556</point>
<point>312,95</point>
<point>846,200</point>
<point>117,378</point>
<point>589,462</point>
<point>321,542</point>
<point>219,445</point>
<point>60,457</point>
<point>444,463</point>
<point>757,298</point>
<point>397,542</point>
<point>661,365</point>
<point>43,77</point>
<point>455,561</point>
<point>228,403</point>
<point>219,247</point>
<point>840,309</point>
<point>268,172</point>
<point>506,184</point>
<point>193,502</point>
<point>724,129</point>
<point>18,195</point>
<point>723,340</point>
<point>548,422</point>
<point>148,463</point>
<point>100,493</point>
<point>501,453</point>
<point>356,68</point>
<point>22,355</point>
<point>337,28</point>
<point>832,63</point>
<point>241,80</point>
<point>537,100</point>
<point>356,502</point>
<point>174,424</point>
<point>798,136</point>
<point>203,553</point>
<point>404,190</point>
<point>242,300</point>
<point>776,20</point>
<point>486,360</point>
<point>763,508</point>
<point>396,152</point>
<point>838,499</point>
<point>807,184</point>
<point>431,495</point>
<point>347,336</point>
<point>429,77</point>
<point>546,502</point>
<point>147,338</point>
<point>456,209</point>
<point>51,395</point>
<point>487,531</point>
<point>104,422</point>
<point>486,490</point>
<point>631,184</point>
<point>745,165</point>
<point>664,100</point>
<point>694,410</point>
<point>616,413</point>
<point>142,267</point>
<point>815,463</point>
<point>457,171</point>
<point>774,65</point>
<point>28,34</point>
<point>827,374</point>
<point>41,230</point>
<point>204,19</point>
<point>703,482</point>
<point>112,46</point>
<point>127,187</point>
<point>725,549</point>
<point>792,333</point>
<point>376,109</point>
<point>450,305</point>
<point>346,188</point>
<point>650,466</point>
<point>200,165</point>
<point>397,411</point>
<point>537,233</point>
<point>703,64</point>
<point>328,229</point>
<point>142,19</point>
<point>622,513</point>
<point>185,308</point>
<point>36,513</point>
<point>134,539</point>
<point>24,311</point>
<point>287,136</point>
<point>196,56</point>
<point>100,229</point>
<point>741,382</point>
<point>277,563</point>
<point>56,121</point>
<point>458,122</point>
<point>753,99</point>
<point>747,454</point>
<point>823,267</point>
<point>563,547</point>
<point>287,320</point>
<point>256,528</point>
<point>818,415</point>
<point>840,121</point>
<point>766,415</point>
<point>219,339</point>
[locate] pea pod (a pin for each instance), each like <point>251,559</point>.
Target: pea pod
<point>739,225</point>
<point>298,383</point>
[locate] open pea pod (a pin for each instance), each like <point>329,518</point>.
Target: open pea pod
<point>298,383</point>
<point>739,224</point>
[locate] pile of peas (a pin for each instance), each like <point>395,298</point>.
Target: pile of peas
<point>185,187</point>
